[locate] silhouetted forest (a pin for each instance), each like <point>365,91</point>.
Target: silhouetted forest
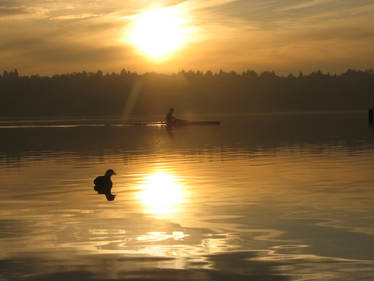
<point>118,94</point>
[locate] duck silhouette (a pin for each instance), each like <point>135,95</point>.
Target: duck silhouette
<point>103,185</point>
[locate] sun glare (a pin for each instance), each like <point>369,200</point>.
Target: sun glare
<point>161,194</point>
<point>159,32</point>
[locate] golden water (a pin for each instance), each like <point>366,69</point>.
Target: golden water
<point>257,198</point>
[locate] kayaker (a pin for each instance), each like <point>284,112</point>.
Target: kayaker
<point>170,119</point>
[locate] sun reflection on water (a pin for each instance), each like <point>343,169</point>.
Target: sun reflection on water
<point>160,236</point>
<point>161,194</point>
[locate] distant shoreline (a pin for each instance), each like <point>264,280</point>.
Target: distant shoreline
<point>127,94</point>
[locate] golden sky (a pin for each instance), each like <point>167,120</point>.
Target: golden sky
<point>47,37</point>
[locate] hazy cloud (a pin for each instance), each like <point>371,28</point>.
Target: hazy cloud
<point>12,8</point>
<point>196,4</point>
<point>305,4</point>
<point>12,11</point>
<point>41,35</point>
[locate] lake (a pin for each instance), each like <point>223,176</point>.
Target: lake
<point>260,197</point>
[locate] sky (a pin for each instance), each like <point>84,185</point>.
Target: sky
<point>286,36</point>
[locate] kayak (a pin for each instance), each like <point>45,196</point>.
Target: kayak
<point>182,123</point>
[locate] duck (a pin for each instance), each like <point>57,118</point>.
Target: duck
<point>103,184</point>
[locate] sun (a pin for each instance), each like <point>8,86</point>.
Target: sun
<point>159,32</point>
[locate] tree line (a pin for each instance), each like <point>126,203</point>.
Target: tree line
<point>118,94</point>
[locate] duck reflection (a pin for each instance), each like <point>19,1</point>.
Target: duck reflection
<point>161,194</point>
<point>103,185</point>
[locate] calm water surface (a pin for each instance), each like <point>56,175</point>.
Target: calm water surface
<point>261,197</point>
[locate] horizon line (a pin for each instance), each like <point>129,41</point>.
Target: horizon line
<point>194,71</point>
